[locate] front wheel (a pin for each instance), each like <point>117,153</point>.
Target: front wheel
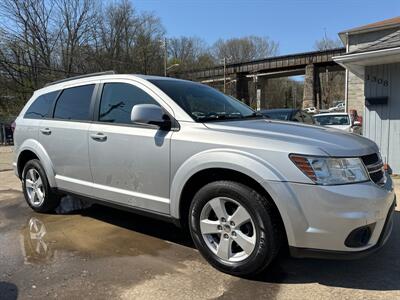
<point>236,229</point>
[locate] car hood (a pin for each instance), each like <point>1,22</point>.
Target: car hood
<point>299,136</point>
<point>341,127</point>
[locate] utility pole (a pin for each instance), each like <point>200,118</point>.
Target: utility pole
<point>165,57</point>
<point>224,75</point>
<point>294,94</point>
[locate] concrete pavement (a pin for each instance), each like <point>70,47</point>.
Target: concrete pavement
<point>6,155</point>
<point>104,253</point>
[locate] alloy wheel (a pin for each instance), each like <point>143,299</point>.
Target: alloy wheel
<point>34,187</point>
<point>228,229</point>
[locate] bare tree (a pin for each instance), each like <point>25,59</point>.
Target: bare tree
<point>77,21</point>
<point>127,41</point>
<point>28,41</point>
<point>327,43</point>
<point>246,48</point>
<point>114,38</point>
<point>149,42</point>
<point>189,52</point>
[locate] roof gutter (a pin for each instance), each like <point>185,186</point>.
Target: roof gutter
<point>354,57</point>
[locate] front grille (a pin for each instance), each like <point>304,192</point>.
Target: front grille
<point>374,165</point>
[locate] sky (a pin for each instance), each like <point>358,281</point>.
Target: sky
<point>294,24</point>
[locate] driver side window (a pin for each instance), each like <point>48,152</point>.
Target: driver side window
<point>117,101</point>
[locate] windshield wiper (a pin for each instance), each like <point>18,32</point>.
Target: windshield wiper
<point>228,117</point>
<point>215,118</point>
<point>254,115</point>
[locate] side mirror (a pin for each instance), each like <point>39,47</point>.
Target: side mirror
<point>356,123</point>
<point>150,114</point>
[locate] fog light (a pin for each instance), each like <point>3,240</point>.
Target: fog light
<point>360,236</point>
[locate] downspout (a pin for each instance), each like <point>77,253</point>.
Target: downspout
<point>346,79</point>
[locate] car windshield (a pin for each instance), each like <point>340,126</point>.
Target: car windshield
<point>203,103</point>
<point>277,115</point>
<point>332,120</point>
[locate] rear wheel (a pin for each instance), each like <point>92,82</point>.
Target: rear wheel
<point>37,191</point>
<point>235,228</point>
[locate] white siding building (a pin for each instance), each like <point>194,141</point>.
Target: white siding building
<point>372,65</point>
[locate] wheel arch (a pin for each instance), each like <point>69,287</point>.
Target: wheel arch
<point>221,165</point>
<point>31,149</point>
<point>205,176</point>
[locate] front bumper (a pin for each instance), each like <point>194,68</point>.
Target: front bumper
<point>318,219</point>
<point>331,254</point>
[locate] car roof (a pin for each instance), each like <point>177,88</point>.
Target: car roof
<point>154,77</point>
<point>332,114</point>
<point>69,82</point>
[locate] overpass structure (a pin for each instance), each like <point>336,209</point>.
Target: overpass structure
<point>240,77</point>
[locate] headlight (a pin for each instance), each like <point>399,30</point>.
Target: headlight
<point>329,170</point>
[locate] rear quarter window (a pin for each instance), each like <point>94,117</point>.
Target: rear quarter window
<point>40,108</point>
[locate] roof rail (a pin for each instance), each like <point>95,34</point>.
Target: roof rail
<point>81,76</point>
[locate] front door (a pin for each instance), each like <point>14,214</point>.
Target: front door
<point>130,163</point>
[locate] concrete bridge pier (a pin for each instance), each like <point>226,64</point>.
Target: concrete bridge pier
<point>310,94</point>
<point>240,87</point>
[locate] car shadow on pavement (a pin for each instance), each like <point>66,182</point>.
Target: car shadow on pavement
<point>138,223</point>
<point>8,291</point>
<point>379,271</point>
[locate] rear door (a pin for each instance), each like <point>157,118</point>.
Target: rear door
<point>65,138</point>
<point>28,125</point>
<point>130,163</point>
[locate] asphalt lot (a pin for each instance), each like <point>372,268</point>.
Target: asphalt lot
<point>101,253</point>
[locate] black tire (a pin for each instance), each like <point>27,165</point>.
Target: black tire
<point>267,226</point>
<point>51,199</point>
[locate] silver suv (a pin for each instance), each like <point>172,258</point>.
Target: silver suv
<point>245,186</point>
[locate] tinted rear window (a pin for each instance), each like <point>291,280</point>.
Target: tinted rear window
<point>74,103</point>
<point>40,108</point>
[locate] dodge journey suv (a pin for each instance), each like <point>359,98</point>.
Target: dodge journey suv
<point>246,187</point>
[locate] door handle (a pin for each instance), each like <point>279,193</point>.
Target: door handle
<point>100,137</point>
<point>45,131</point>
